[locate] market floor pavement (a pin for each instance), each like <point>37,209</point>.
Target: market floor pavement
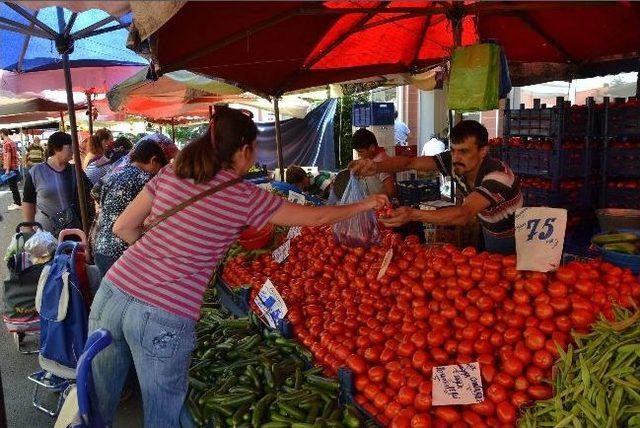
<point>15,367</point>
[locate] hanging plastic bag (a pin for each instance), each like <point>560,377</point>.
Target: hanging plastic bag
<point>360,230</point>
<point>41,246</point>
<point>474,83</point>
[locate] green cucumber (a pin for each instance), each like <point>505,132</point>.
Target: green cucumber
<point>260,409</point>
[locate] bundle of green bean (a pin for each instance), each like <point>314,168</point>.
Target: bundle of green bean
<point>244,375</point>
<point>598,384</point>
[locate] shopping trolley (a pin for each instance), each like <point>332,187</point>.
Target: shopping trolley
<point>19,315</point>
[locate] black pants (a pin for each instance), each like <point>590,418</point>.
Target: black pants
<point>13,185</point>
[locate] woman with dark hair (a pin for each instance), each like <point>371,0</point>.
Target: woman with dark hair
<point>101,166</point>
<point>99,143</point>
<point>51,191</point>
<point>118,190</point>
<point>150,298</point>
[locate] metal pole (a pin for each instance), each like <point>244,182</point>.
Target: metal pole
<point>90,107</point>
<point>76,147</point>
<point>276,110</point>
<point>173,129</point>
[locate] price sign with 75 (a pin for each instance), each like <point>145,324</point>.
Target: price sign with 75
<point>541,231</point>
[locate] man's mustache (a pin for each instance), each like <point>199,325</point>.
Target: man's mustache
<point>458,164</point>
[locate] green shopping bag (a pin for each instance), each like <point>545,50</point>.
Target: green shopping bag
<point>474,83</point>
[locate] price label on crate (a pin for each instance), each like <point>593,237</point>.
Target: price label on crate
<point>271,304</point>
<point>456,384</point>
<point>294,231</point>
<point>281,253</point>
<point>540,238</point>
<point>296,198</point>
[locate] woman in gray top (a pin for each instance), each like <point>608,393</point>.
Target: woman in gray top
<point>50,189</point>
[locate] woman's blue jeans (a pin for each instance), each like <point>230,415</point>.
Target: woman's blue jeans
<point>157,342</point>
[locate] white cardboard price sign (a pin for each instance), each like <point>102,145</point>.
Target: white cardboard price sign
<point>294,231</point>
<point>539,238</point>
<point>296,197</point>
<point>271,304</point>
<point>457,384</point>
<point>281,253</point>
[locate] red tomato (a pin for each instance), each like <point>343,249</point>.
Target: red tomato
<point>486,408</point>
<point>582,318</point>
<point>406,396</point>
<point>512,366</point>
<point>506,413</point>
<point>496,393</point>
<point>401,421</point>
<point>395,379</point>
<point>519,399</point>
<point>421,420</point>
<point>504,379</point>
<point>448,414</point>
<point>422,402</point>
<point>540,392</point>
<point>376,374</point>
<point>543,359</point>
<point>356,363</point>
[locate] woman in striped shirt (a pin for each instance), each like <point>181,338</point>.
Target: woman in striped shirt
<point>150,299</point>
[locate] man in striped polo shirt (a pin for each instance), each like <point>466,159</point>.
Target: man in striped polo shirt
<point>491,190</point>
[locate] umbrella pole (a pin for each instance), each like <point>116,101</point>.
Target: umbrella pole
<point>76,147</point>
<point>276,110</point>
<point>210,112</point>
<point>173,129</point>
<point>90,109</point>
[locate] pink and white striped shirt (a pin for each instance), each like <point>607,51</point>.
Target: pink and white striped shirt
<point>170,265</point>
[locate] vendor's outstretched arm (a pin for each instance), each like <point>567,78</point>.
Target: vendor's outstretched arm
<point>366,167</point>
<point>452,216</point>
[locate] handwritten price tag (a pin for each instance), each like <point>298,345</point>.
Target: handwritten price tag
<point>281,253</point>
<point>457,384</point>
<point>294,231</point>
<point>296,197</point>
<point>271,304</point>
<point>539,238</point>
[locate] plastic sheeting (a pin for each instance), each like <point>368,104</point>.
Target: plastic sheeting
<point>307,141</point>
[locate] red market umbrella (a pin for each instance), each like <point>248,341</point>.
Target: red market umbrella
<point>276,47</point>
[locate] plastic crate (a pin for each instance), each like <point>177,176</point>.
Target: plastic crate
<point>623,162</point>
<point>624,119</point>
<point>347,396</point>
<point>369,114</point>
<point>575,121</point>
<point>539,162</point>
<point>623,198</point>
<point>413,192</point>
<point>563,198</point>
<point>236,300</point>
<point>541,122</point>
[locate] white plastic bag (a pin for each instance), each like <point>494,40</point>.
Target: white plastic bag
<point>360,230</point>
<point>41,246</point>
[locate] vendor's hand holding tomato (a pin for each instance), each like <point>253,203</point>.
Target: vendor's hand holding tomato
<point>398,217</point>
<point>363,167</point>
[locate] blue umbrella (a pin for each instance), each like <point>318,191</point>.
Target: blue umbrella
<point>54,38</point>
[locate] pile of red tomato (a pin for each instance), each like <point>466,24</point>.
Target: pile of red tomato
<point>435,306</point>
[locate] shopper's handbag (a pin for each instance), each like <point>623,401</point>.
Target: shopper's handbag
<point>165,215</point>
<point>67,218</point>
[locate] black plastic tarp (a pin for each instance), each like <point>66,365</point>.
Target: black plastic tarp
<point>307,142</point>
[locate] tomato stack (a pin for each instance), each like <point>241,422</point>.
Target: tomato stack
<point>435,306</point>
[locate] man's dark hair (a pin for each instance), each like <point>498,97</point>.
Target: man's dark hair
<point>363,139</point>
<point>470,128</point>
<point>122,143</point>
<point>57,141</point>
<point>145,150</point>
<point>5,131</point>
<point>295,174</point>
